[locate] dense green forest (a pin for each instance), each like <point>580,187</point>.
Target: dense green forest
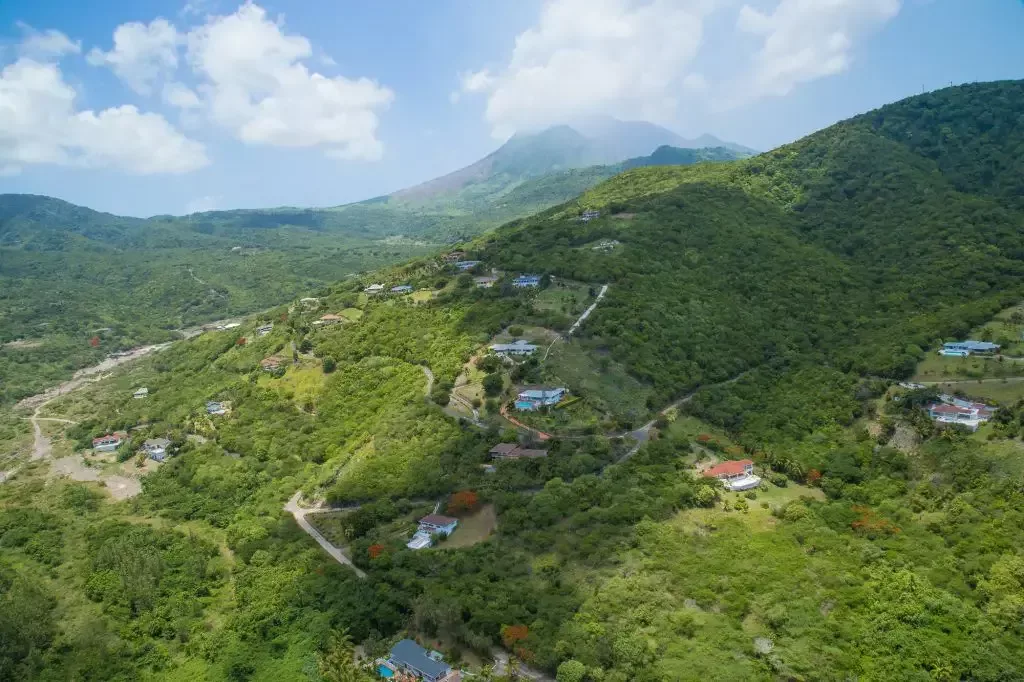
<point>783,296</point>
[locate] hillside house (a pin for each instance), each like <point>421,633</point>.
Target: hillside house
<point>454,257</point>
<point>216,408</point>
<point>526,281</point>
<point>515,349</point>
<point>328,319</point>
<point>536,397</point>
<point>373,289</point>
<point>109,442</point>
<point>606,245</point>
<point>264,330</point>
<point>140,393</point>
<point>228,326</point>
<point>156,448</point>
<point>408,657</point>
<point>587,216</point>
<point>485,282</point>
<point>965,348</point>
<point>514,451</point>
<point>953,410</point>
<point>401,289</point>
<point>735,475</point>
<point>431,525</point>
<point>464,265</point>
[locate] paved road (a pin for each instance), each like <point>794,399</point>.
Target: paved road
<point>293,508</point>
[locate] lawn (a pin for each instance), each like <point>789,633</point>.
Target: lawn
<point>564,296</point>
<point>473,529</point>
<point>1007,391</point>
<point>758,518</point>
<point>603,382</point>
<point>938,368</point>
<point>351,314</point>
<point>423,296</point>
<point>304,383</point>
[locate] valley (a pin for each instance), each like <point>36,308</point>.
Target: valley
<point>567,387</point>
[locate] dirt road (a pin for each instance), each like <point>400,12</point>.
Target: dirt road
<point>293,507</point>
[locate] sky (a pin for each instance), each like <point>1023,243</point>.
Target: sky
<point>146,107</point>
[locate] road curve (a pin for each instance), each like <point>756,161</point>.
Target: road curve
<point>293,508</point>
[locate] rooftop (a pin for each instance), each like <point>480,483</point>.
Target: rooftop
<point>438,520</point>
<point>411,654</point>
<point>730,468</point>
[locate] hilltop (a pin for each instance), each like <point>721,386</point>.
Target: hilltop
<point>759,309</point>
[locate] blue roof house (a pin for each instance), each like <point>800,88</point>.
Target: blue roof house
<point>969,347</point>
<point>525,281</point>
<point>537,397</point>
<point>409,657</point>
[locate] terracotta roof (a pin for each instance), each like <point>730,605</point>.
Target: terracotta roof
<point>731,468</point>
<point>437,520</point>
<point>330,317</point>
<point>950,409</point>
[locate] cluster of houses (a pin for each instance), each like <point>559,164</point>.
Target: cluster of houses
<point>377,289</point>
<point>963,349</point>
<point>517,348</point>
<point>408,659</point>
<point>735,475</point>
<point>533,398</point>
<point>430,526</point>
<point>154,448</point>
<point>515,451</point>
<point>952,410</point>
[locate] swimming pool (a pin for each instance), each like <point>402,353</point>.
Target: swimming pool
<point>385,671</point>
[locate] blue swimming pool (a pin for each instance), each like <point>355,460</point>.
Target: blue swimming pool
<point>385,671</point>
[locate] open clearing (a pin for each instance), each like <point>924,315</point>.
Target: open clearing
<point>938,368</point>
<point>473,529</point>
<point>701,521</point>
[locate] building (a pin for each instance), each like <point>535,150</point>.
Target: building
<point>401,289</point>
<point>228,326</point>
<point>374,289</point>
<point>467,264</point>
<point>952,410</point>
<point>140,393</point>
<point>536,397</point>
<point>454,257</point>
<point>606,245</point>
<point>965,348</point>
<point>217,408</point>
<point>156,448</point>
<point>735,475</point>
<point>516,348</point>
<point>526,281</point>
<point>436,524</point>
<point>109,442</point>
<point>328,319</point>
<point>264,330</point>
<point>410,658</point>
<point>513,451</point>
<point>587,216</point>
<point>485,282</point>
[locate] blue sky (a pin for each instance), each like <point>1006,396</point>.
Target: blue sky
<point>216,104</point>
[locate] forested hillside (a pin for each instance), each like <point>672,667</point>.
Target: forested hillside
<point>771,304</point>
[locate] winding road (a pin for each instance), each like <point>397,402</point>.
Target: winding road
<point>294,508</point>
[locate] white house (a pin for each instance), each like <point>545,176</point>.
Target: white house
<point>516,348</point>
<point>156,448</point>
<point>431,525</point>
<point>374,289</point>
<point>108,442</point>
<point>140,393</point>
<point>736,475</point>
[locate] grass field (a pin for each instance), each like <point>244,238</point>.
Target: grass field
<point>605,383</point>
<point>938,368</point>
<point>473,529</point>
<point>423,295</point>
<point>351,314</point>
<point>303,383</point>
<point>564,296</point>
<point>758,518</point>
<point>1006,391</point>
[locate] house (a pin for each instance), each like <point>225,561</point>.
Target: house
<point>140,393</point>
<point>410,658</point>
<point>271,364</point>
<point>264,330</point>
<point>516,348</point>
<point>454,257</point>
<point>606,245</point>
<point>526,281</point>
<point>965,348</point>
<point>420,540</point>
<point>156,448</point>
<point>536,397</point>
<point>467,264</point>
<point>436,524</point>
<point>229,325</point>
<point>108,442</point>
<point>952,410</point>
<point>587,216</point>
<point>736,475</point>
<point>374,289</point>
<point>328,319</point>
<point>213,407</point>
<point>513,451</point>
<point>401,289</point>
<point>485,282</point>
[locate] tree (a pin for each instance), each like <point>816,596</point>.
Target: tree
<point>375,550</point>
<point>493,383</point>
<point>463,501</point>
<point>336,662</point>
<point>512,634</point>
<point>330,364</point>
<point>571,671</point>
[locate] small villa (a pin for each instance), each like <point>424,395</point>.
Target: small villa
<point>431,525</point>
<point>467,264</point>
<point>216,408</point>
<point>140,393</point>
<point>526,281</point>
<point>328,319</point>
<point>963,349</point>
<point>536,397</point>
<point>374,289</point>
<point>735,475</point>
<point>402,289</point>
<point>454,257</point>
<point>156,448</point>
<point>409,658</point>
<point>485,282</point>
<point>109,442</point>
<point>953,410</point>
<point>514,451</point>
<point>514,349</point>
<point>264,330</point>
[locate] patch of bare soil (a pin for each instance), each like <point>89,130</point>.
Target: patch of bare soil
<point>905,439</point>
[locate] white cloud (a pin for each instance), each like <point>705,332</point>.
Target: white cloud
<point>254,83</point>
<point>40,125</point>
<point>624,58</point>
<point>695,82</point>
<point>46,44</point>
<point>180,96</point>
<point>142,54</point>
<point>807,39</point>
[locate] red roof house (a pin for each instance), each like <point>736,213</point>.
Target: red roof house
<point>736,474</point>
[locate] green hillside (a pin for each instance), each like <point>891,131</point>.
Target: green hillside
<point>773,301</point>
